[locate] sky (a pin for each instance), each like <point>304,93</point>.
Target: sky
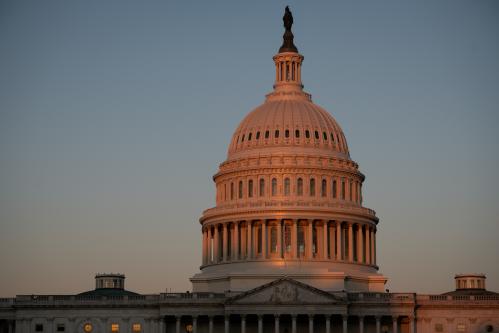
<point>114,116</point>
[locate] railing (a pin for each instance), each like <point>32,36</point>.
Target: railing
<point>251,205</point>
<point>381,297</point>
<point>456,298</point>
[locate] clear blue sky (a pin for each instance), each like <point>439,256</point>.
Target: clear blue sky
<point>114,115</point>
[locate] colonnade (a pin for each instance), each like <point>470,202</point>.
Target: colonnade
<point>313,320</point>
<point>352,242</point>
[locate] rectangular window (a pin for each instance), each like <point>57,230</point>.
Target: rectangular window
<point>343,189</point>
<point>38,327</point>
<point>61,328</point>
<point>439,327</point>
<point>115,328</point>
<point>136,328</point>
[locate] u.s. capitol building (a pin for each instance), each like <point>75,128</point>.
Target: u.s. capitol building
<point>288,247</point>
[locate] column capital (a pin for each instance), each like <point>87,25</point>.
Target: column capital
<point>395,318</point>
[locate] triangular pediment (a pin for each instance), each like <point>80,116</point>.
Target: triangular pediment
<point>285,291</point>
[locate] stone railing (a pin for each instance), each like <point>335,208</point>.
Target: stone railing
<point>381,297</point>
<point>287,204</point>
<point>436,299</point>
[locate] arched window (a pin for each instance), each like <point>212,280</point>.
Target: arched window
<point>301,241</point>
<point>299,186</point>
<point>334,188</point>
<point>231,191</point>
<point>316,135</point>
<point>240,189</point>
<point>259,239</point>
<point>249,137</point>
<point>312,187</point>
<point>332,137</point>
<point>350,187</point>
<point>286,186</point>
<point>276,134</point>
<point>343,189</point>
<point>242,140</point>
<point>287,238</point>
<point>274,187</point>
<point>286,133</point>
<point>297,133</point>
<point>258,135</point>
<point>324,188</point>
<point>307,134</point>
<point>267,133</point>
<point>324,135</point>
<point>250,188</point>
<point>262,187</point>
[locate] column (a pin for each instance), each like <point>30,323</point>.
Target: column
<point>332,244</point>
<point>250,240</point>
<point>225,242</point>
<point>378,324</point>
<point>210,248</point>
<point>243,324</point>
<point>372,247</point>
<point>10,329</point>
<point>260,324</point>
<point>368,245</point>
<point>264,239</point>
<point>279,239</point>
<point>294,239</point>
<point>235,250</point>
<point>328,324</point>
<point>293,323</point>
<point>177,324</point>
<point>345,323</point>
<point>126,324</point>
<point>350,242</point>
<point>244,237</point>
<point>50,325</point>
<point>276,323</point>
<point>194,324</point>
<point>210,324</point>
<point>361,324</point>
<point>216,247</point>
<point>338,240</point>
<point>310,238</point>
<point>310,323</point>
<point>411,324</point>
<point>359,244</point>
<point>205,247</point>
<point>395,324</point>
<point>324,240</point>
<point>227,324</point>
<point>71,327</point>
<point>161,324</point>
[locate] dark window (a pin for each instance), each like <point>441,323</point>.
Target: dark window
<point>334,189</point>
<point>267,133</point>
<point>286,133</point>
<point>287,186</point>
<point>257,135</point>
<point>489,328</point>
<point>276,134</point>
<point>297,133</point>
<point>240,189</point>
<point>274,187</point>
<point>324,188</point>
<point>262,187</point>
<point>312,187</point>
<point>231,191</point>
<point>250,188</point>
<point>249,137</point>
<point>242,140</point>
<point>307,134</point>
<point>343,189</point>
<point>316,135</point>
<point>61,328</point>
<point>38,327</point>
<point>332,137</point>
<point>299,186</point>
<point>324,135</point>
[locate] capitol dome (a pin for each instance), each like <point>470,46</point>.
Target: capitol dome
<point>288,198</point>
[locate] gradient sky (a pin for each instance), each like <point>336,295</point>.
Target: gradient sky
<point>114,115</point>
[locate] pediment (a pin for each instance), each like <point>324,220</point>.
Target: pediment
<point>285,291</point>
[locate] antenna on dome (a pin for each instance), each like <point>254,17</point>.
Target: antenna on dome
<point>287,44</point>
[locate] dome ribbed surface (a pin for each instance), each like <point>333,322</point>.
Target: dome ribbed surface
<point>288,123</point>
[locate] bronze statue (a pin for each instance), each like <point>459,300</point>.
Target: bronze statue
<point>287,44</point>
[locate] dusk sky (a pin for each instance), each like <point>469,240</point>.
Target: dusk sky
<point>114,116</point>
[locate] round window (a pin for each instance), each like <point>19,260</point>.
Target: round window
<point>87,328</point>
